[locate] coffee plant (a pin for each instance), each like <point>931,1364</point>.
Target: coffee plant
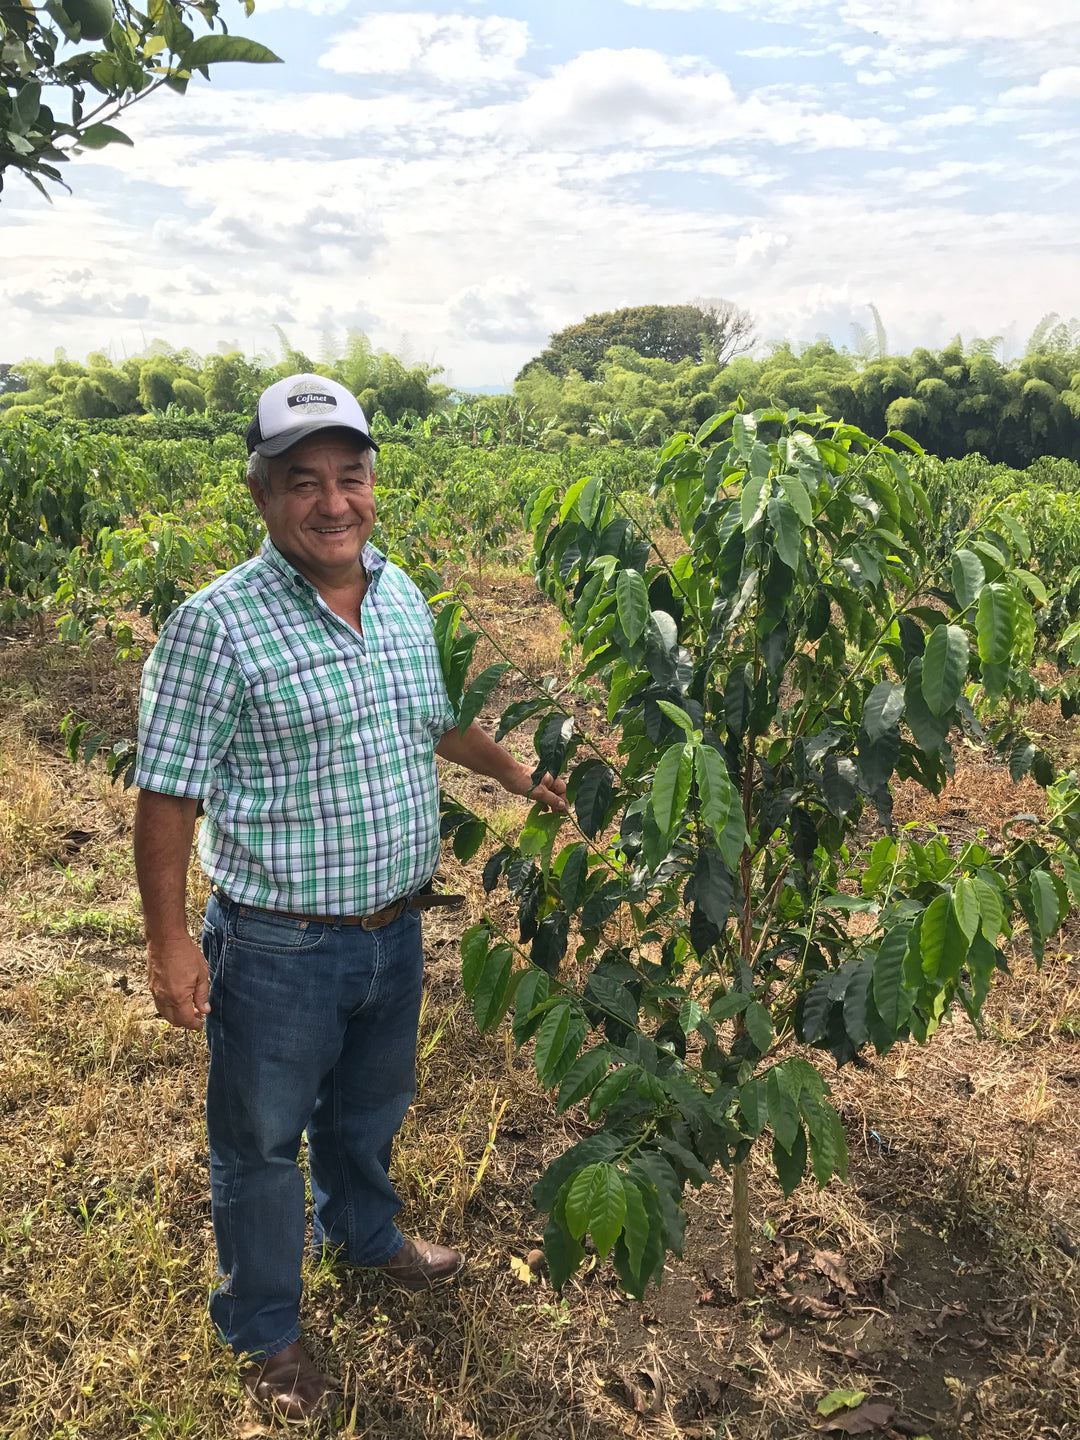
<point>683,944</point>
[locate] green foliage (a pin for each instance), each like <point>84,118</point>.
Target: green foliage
<point>953,402</point>
<point>663,332</point>
<point>130,55</point>
<point>766,689</point>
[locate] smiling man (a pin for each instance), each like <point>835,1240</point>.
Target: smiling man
<point>299,697</point>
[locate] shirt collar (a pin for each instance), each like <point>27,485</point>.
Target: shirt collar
<point>372,560</point>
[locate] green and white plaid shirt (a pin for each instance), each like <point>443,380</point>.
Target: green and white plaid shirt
<point>311,746</point>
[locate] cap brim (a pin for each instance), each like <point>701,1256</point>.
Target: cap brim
<point>278,444</point>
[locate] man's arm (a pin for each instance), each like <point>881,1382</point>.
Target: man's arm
<point>175,967</point>
<point>477,751</point>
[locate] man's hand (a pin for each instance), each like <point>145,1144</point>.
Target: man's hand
<point>478,752</point>
<point>548,793</point>
<point>179,982</point>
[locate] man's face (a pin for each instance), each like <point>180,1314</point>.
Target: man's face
<point>320,507</point>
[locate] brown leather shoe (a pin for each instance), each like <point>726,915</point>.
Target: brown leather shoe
<point>289,1386</point>
<point>419,1264</point>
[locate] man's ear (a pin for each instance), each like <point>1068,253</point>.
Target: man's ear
<point>258,494</point>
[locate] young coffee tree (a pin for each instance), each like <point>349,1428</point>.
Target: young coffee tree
<point>683,942</point>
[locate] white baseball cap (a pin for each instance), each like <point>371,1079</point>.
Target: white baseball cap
<point>300,405</point>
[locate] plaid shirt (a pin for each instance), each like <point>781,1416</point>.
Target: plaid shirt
<point>311,746</point>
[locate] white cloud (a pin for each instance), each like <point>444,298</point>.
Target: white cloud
<point>453,49</point>
<point>642,97</point>
<point>500,310</point>
<point>759,247</point>
<point>1060,83</point>
<point>312,7</point>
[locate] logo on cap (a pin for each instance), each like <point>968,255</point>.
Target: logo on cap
<point>311,402</point>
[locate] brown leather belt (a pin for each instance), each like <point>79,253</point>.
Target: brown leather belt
<point>386,916</point>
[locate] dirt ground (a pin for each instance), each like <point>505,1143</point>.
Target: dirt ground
<point>940,1283</point>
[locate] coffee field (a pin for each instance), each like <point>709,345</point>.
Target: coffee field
<point>748,1088</point>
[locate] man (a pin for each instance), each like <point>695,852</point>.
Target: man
<point>299,697</point>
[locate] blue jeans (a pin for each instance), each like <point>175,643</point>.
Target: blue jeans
<point>311,1027</point>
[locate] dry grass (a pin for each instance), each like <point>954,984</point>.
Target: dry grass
<point>958,1230</point>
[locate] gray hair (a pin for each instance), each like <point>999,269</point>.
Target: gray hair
<point>258,469</point>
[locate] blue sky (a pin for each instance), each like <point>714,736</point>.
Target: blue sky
<point>461,179</point>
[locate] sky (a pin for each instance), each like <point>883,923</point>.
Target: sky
<point>461,180</point>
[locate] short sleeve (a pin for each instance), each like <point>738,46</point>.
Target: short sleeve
<point>190,698</point>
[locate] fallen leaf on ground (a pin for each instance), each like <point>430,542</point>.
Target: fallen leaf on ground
<point>840,1400</point>
<point>521,1271</point>
<point>809,1305</point>
<point>833,1267</point>
<point>871,1415</point>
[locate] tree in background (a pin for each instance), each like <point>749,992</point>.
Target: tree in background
<point>127,56</point>
<point>710,330</point>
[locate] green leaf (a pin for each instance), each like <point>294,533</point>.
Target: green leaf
<point>798,497</point>
<point>945,668</point>
<point>738,698</point>
<point>996,623</point>
<point>593,788</point>
<point>520,711</point>
<point>609,1090</point>
<point>733,1003</point>
<point>96,137</point>
<point>632,603</point>
<point>596,1201</point>
<point>678,716</point>
<point>477,694</point>
<point>637,1227</point>
<point>714,787</point>
<point>991,909</point>
<point>783,1111</point>
<point>856,1004</point>
<point>943,943</point>
<point>968,577</point>
<point>828,1143</point>
<point>759,1026</point>
<point>539,834</point>
<point>549,942</point>
<point>930,733</point>
<point>491,995</point>
<point>561,1251</point>
<point>474,953</point>
<point>468,838</point>
<point>966,906</point>
<point>753,499</point>
<point>884,706</point>
<point>838,784</point>
<point>891,1000</point>
<point>551,742</point>
<point>753,1107</point>
<point>1021,755</point>
<point>1049,912</point>
<point>1072,879</point>
<point>561,1033</point>
<point>532,993</point>
<point>582,1078</point>
<point>840,1400</point>
<point>573,878</point>
<point>671,787</point>
<point>213,49</point>
<point>713,886</point>
<point>787,535</point>
<point>790,1164</point>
